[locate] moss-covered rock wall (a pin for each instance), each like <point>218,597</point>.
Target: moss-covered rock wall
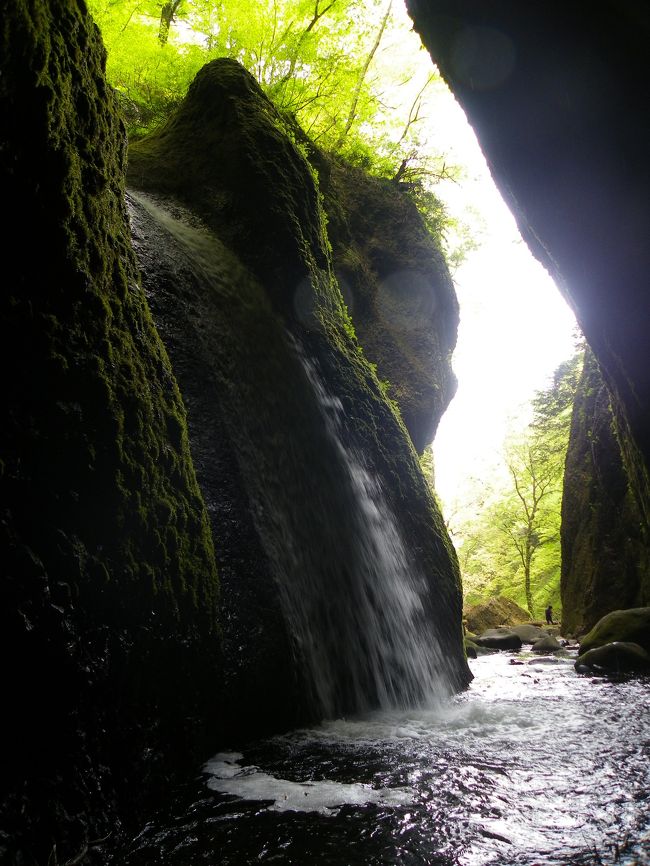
<point>398,289</point>
<point>226,163</point>
<point>111,645</point>
<point>605,557</point>
<point>109,592</point>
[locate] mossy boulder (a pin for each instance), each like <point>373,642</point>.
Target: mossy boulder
<point>474,649</point>
<point>632,625</point>
<point>615,657</point>
<point>546,644</point>
<point>471,649</point>
<point>497,611</point>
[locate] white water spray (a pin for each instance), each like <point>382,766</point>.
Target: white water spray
<point>394,659</point>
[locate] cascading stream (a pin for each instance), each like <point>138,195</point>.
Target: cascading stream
<point>533,766</point>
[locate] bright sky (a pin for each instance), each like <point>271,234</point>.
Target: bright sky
<point>515,327</point>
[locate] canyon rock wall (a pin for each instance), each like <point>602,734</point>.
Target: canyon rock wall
<point>112,650</point>
<point>555,96</point>
<point>109,606</point>
<point>239,346</point>
<point>604,556</point>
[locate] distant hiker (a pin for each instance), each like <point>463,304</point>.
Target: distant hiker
<point>549,615</point>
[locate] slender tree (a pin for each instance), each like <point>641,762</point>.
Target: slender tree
<point>167,15</point>
<point>361,76</point>
<point>508,528</point>
<point>524,521</point>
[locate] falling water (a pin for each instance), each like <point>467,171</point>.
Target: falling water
<point>356,604</point>
<point>533,765</point>
<point>393,657</point>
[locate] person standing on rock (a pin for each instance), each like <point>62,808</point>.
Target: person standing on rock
<point>549,615</point>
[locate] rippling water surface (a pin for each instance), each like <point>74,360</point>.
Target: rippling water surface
<point>533,765</point>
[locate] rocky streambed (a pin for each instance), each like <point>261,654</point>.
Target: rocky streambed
<point>532,764</point>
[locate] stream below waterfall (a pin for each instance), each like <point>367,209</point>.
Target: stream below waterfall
<point>532,765</point>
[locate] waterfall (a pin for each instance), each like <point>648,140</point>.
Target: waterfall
<point>393,656</point>
<point>355,601</point>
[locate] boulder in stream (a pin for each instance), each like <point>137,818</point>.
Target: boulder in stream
<point>529,633</point>
<point>494,612</point>
<point>615,657</point>
<point>546,644</point>
<point>632,625</point>
<point>499,638</point>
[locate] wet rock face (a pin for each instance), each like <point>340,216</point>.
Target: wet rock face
<point>110,595</point>
<point>398,289</point>
<point>554,95</point>
<point>109,590</point>
<point>225,160</point>
<point>604,550</point>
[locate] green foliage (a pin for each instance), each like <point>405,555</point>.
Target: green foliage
<point>508,533</point>
<point>351,73</point>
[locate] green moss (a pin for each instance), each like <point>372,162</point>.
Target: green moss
<point>619,625</point>
<point>398,289</point>
<point>605,554</point>
<point>223,156</point>
<point>93,436</point>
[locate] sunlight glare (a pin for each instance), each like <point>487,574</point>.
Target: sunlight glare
<point>515,327</point>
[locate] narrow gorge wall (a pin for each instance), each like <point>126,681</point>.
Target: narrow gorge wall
<point>605,558</point>
<point>110,610</point>
<point>397,286</point>
<point>555,94</point>
<point>109,605</point>
<point>226,164</point>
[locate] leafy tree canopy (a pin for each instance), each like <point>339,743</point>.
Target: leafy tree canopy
<point>352,73</point>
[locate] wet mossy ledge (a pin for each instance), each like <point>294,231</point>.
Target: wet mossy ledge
<point>109,592</point>
<point>227,165</point>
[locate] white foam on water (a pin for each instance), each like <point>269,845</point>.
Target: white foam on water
<point>325,796</point>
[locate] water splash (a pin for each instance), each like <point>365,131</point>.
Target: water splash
<point>532,766</point>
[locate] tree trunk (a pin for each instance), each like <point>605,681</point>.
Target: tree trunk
<point>167,14</point>
<point>362,76</point>
<point>529,595</point>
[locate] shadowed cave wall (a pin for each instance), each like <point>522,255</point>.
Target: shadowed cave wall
<point>556,93</point>
<point>604,552</point>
